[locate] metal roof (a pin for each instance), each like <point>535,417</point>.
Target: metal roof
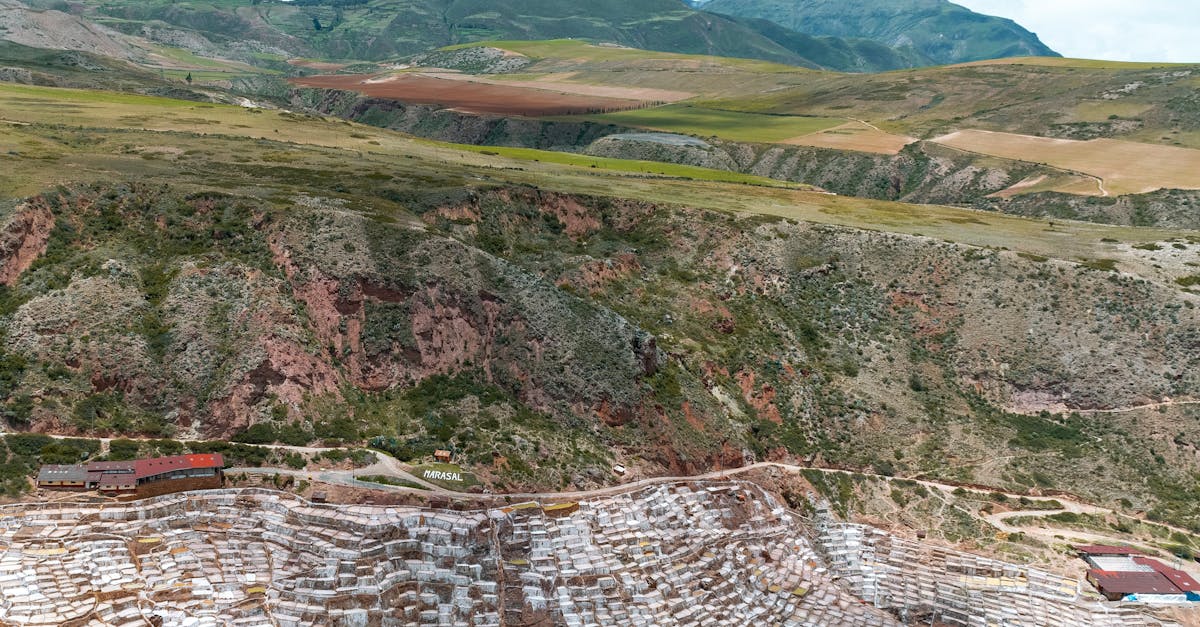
<point>113,467</point>
<point>160,465</point>
<point>73,473</point>
<point>1132,583</point>
<point>116,481</point>
<point>1107,549</point>
<point>1118,563</point>
<point>128,471</point>
<point>1177,577</point>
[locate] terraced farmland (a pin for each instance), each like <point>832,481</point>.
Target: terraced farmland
<point>1124,167</point>
<point>854,135</point>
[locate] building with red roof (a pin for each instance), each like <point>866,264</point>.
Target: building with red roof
<point>145,477</point>
<point>1177,577</point>
<point>1116,585</point>
<point>1126,573</point>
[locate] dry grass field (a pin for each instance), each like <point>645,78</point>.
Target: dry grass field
<point>1125,167</point>
<point>1068,62</point>
<point>854,135</point>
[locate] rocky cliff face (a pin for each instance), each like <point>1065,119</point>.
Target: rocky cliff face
<point>1172,208</point>
<point>439,123</point>
<point>872,349</point>
<point>395,306</point>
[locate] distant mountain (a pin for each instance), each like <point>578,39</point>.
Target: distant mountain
<point>935,31</point>
<point>382,29</point>
<point>55,30</point>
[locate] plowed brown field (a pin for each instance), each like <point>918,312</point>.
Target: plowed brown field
<point>469,96</point>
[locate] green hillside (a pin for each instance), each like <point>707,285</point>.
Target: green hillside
<point>384,29</point>
<point>934,30</point>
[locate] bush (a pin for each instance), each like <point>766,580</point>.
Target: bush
<point>261,433</point>
<point>27,444</point>
<point>61,453</point>
<point>269,433</point>
<point>1182,552</point>
<point>123,450</point>
<point>340,430</point>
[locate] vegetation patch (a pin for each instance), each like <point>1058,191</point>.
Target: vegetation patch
<point>392,481</point>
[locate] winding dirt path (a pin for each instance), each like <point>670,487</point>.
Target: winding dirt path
<point>1063,409</point>
<point>1099,181</point>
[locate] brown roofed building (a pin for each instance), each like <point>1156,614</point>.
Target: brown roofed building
<point>57,477</point>
<point>1115,585</point>
<point>1177,577</point>
<point>145,477</point>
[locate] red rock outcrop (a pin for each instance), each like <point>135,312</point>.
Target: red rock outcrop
<point>761,398</point>
<point>286,373</point>
<point>24,238</point>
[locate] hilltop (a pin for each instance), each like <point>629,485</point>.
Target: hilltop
<point>936,32</point>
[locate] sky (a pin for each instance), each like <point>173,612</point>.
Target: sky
<point>1117,30</point>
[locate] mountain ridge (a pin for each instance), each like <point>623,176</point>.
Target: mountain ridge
<point>376,30</point>
<point>938,31</point>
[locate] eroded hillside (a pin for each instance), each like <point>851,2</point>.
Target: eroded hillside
<point>545,335</point>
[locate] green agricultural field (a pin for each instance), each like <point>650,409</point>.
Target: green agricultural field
<point>627,165</point>
<point>188,59</point>
<point>1030,99</point>
<point>731,125</point>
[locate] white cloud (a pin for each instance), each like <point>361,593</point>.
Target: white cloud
<point>1119,30</point>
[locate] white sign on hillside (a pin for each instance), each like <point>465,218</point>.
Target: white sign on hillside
<point>443,475</point>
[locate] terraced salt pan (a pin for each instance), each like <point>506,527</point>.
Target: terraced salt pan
<point>697,553</point>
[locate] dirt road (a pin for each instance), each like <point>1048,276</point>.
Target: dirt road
<point>388,466</point>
